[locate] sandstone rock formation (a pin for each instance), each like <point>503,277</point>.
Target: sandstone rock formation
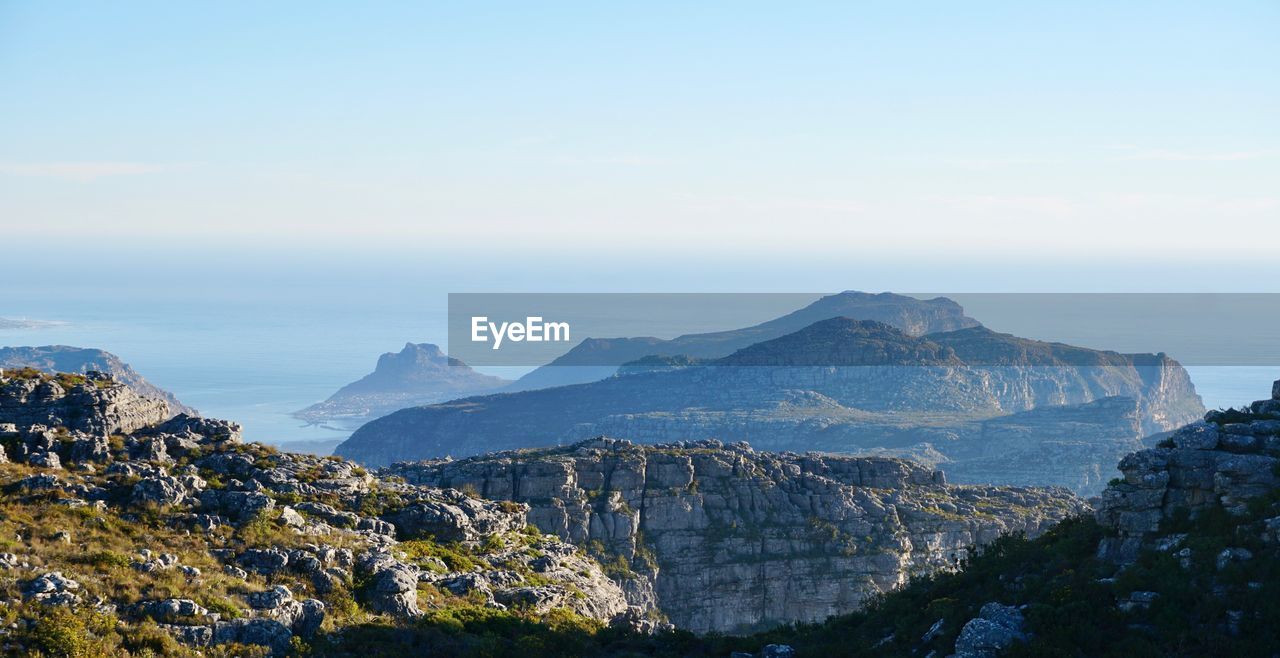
<point>720,537</point>
<point>1227,459</point>
<point>93,405</point>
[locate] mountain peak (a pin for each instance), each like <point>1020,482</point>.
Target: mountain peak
<point>420,373</point>
<point>844,341</point>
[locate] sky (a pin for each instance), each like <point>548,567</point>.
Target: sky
<point>1132,138</point>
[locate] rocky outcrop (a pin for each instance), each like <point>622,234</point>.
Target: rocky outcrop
<point>416,375</point>
<point>1225,460</point>
<point>92,404</point>
<point>265,546</point>
<point>721,537</point>
<point>81,360</point>
<point>991,407</point>
<point>995,629</point>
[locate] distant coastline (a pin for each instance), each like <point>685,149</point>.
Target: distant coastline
<point>24,323</point>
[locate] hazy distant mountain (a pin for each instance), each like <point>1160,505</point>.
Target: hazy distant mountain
<point>995,407</point>
<point>596,358</point>
<point>64,358</point>
<point>416,375</point>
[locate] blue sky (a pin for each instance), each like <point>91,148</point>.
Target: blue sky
<point>1118,133</point>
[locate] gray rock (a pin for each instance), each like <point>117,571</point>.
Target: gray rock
<point>255,631</point>
<point>539,600</point>
<point>1196,436</point>
<point>172,610</point>
<point>455,518</point>
<point>1140,600</point>
<point>395,585</point>
<point>264,561</point>
<point>192,636</point>
<point>53,588</point>
<point>995,629</point>
<point>836,530</point>
<point>1232,555</point>
<point>310,618</point>
<point>270,599</point>
<point>45,460</point>
<point>777,651</point>
<point>161,490</point>
<point>291,518</point>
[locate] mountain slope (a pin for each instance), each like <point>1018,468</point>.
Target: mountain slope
<point>416,375</point>
<point>597,358</point>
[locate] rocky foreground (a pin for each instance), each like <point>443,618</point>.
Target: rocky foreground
<point>124,531</point>
<point>188,538</point>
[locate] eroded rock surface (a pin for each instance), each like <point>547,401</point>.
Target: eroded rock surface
<point>721,537</point>
<point>1227,459</point>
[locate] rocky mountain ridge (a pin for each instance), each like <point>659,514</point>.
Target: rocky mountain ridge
<point>723,538</point>
<point>843,385</point>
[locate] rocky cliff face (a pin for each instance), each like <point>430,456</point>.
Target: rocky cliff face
<point>720,537</point>
<point>80,360</point>
<point>1021,412</point>
<point>1225,460</point>
<point>93,405</point>
<point>416,375</point>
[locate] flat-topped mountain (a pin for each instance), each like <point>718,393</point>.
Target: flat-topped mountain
<point>913,395</point>
<point>596,358</point>
<point>64,358</point>
<point>416,375</point>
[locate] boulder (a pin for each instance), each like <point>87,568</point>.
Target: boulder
<point>995,629</point>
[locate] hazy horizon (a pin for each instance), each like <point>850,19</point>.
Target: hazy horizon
<point>1091,133</point>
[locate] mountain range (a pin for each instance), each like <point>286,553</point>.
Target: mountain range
<point>992,407</point>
